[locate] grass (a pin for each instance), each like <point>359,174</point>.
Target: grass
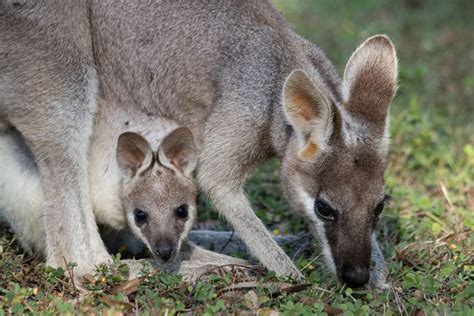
<point>426,233</point>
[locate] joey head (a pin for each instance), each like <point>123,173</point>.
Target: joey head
<point>157,192</point>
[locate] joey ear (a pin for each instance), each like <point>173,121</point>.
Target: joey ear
<point>308,109</point>
<point>370,79</point>
<point>134,154</point>
<point>178,151</point>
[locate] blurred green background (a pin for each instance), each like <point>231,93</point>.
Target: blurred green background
<point>434,41</point>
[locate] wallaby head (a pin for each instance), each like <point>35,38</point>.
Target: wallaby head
<point>158,193</point>
<point>333,169</point>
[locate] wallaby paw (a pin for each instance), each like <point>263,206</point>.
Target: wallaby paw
<point>194,270</point>
<point>240,271</point>
<point>378,281</point>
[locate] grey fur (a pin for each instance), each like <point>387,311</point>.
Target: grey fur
<point>217,67</point>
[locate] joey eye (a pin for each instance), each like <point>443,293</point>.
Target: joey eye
<point>140,216</point>
<point>324,211</point>
<point>182,211</point>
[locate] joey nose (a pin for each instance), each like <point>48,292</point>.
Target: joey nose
<point>355,277</point>
<point>164,249</point>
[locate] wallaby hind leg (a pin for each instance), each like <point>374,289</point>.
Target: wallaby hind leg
<point>58,131</point>
<point>221,174</point>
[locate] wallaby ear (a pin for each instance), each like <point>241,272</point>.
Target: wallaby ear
<point>370,79</point>
<point>308,110</point>
<point>178,151</point>
<point>134,154</point>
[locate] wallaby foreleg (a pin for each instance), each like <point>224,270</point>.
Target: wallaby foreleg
<point>59,141</point>
<point>232,203</point>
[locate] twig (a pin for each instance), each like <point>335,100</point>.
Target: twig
<point>445,192</point>
<point>400,306</point>
<point>309,263</point>
<point>71,275</point>
<point>321,289</point>
<point>227,242</point>
<point>255,269</point>
<point>437,241</point>
<point>300,249</point>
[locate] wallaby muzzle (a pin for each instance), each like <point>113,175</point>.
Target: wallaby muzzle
<point>355,276</point>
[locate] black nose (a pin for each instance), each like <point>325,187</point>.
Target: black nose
<point>355,277</point>
<point>164,249</point>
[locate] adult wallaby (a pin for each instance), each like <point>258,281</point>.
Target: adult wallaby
<point>233,72</point>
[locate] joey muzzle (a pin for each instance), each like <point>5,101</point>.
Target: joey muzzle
<point>164,249</point>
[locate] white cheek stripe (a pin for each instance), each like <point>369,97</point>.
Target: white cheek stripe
<point>187,227</point>
<point>318,227</point>
<point>138,233</point>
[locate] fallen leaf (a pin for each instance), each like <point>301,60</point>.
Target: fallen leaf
<point>290,289</point>
<point>127,287</point>
<point>88,278</point>
<point>332,310</point>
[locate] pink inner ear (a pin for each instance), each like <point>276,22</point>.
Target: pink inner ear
<point>302,104</point>
<point>132,150</point>
<point>175,163</point>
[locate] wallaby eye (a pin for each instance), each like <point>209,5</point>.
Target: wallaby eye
<point>324,211</point>
<point>140,216</point>
<point>182,211</point>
